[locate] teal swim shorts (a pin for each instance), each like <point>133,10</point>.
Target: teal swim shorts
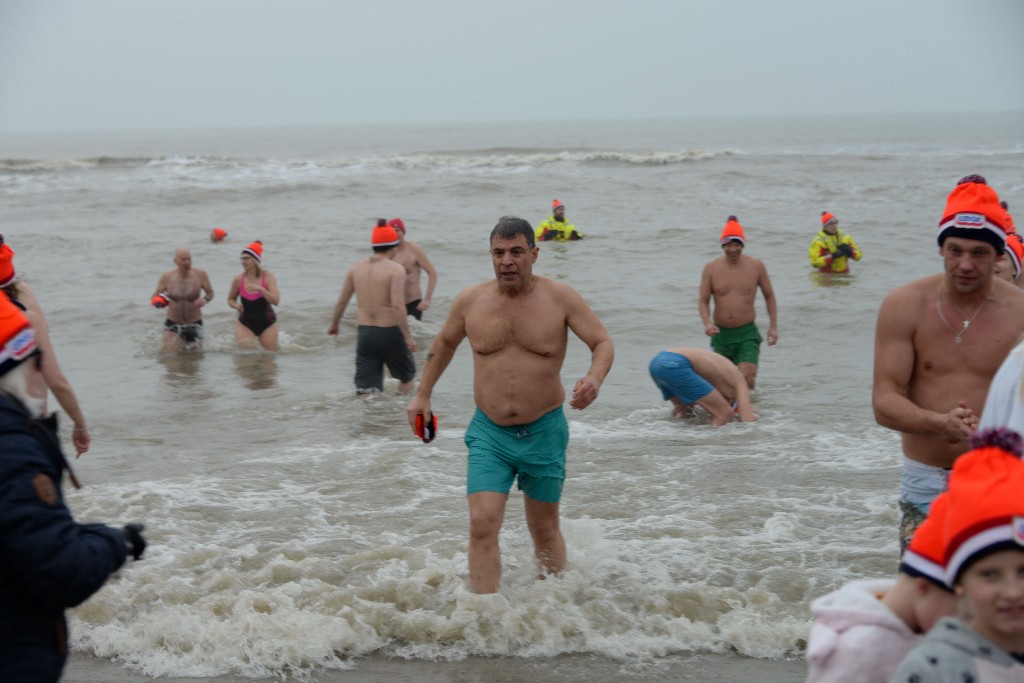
<point>535,453</point>
<point>739,344</point>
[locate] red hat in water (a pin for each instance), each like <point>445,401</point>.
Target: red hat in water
<point>397,224</point>
<point>986,508</point>
<point>733,231</point>
<point>973,212</point>
<point>827,218</point>
<point>556,203</point>
<point>7,275</point>
<point>17,340</point>
<point>384,236</point>
<point>218,235</point>
<point>925,555</point>
<point>1015,250</point>
<point>255,250</point>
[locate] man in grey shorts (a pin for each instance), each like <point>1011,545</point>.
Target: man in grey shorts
<point>938,343</point>
<point>379,286</point>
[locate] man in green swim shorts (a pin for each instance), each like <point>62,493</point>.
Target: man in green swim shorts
<point>732,280</point>
<point>516,325</point>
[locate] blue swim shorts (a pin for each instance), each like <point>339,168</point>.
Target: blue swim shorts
<point>534,452</point>
<point>673,374</point>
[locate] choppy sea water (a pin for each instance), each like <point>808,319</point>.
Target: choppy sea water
<point>295,528</point>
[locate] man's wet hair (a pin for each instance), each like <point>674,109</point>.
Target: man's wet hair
<point>509,227</point>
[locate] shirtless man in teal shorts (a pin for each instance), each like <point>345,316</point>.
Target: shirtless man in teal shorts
<point>733,280</point>
<point>516,325</point>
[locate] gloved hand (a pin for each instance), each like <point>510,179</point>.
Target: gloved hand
<point>133,539</point>
<point>845,250</point>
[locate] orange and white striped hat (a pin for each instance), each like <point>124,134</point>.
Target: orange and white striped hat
<point>255,250</point>
<point>17,340</point>
<point>733,231</point>
<point>973,212</point>
<point>986,508</point>
<point>827,218</point>
<point>384,236</point>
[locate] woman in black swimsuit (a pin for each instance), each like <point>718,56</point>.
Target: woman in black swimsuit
<point>254,294</point>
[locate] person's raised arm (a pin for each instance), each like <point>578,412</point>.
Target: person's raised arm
<point>585,324</point>
<point>894,367</point>
<point>439,356</point>
<point>347,290</point>
<point>704,303</point>
<point>769,301</point>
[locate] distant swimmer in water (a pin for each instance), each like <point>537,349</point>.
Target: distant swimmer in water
<point>413,258</point>
<point>21,295</point>
<point>378,284</point>
<point>732,280</point>
<point>831,249</point>
<point>254,294</point>
<point>689,377</point>
<point>555,227</point>
<point>183,292</point>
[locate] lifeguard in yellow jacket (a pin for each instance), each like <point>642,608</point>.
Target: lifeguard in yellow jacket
<point>555,227</point>
<point>831,249</point>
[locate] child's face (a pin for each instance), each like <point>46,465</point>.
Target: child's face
<point>993,589</point>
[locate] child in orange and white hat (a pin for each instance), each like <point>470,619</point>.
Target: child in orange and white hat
<point>984,563</point>
<point>862,631</point>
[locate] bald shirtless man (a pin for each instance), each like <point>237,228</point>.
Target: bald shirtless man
<point>689,377</point>
<point>517,327</point>
<point>185,290</point>
<point>379,285</point>
<point>413,258</point>
<point>733,279</point>
<point>938,343</point>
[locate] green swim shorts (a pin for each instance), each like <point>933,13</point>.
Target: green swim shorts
<point>534,452</point>
<point>739,344</point>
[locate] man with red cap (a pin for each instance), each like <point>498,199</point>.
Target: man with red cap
<point>48,561</point>
<point>732,280</point>
<point>831,249</point>
<point>183,292</point>
<point>413,258</point>
<point>378,284</point>
<point>938,343</point>
<point>555,227</point>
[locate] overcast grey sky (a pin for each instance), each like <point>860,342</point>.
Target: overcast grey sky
<point>108,64</point>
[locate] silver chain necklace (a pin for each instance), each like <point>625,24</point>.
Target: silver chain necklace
<point>958,336</point>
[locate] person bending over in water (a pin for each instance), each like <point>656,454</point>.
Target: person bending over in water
<point>254,294</point>
<point>689,377</point>
<point>181,292</point>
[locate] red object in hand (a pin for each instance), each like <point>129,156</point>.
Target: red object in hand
<point>160,301</point>
<point>426,430</point>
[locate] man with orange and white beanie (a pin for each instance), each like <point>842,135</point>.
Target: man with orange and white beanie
<point>831,249</point>
<point>983,537</point>
<point>938,343</point>
<point>378,284</point>
<point>555,227</point>
<point>48,562</point>
<point>413,258</point>
<point>732,280</point>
